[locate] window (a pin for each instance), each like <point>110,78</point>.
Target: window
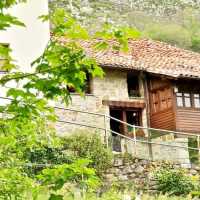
<point>197,100</point>
<point>86,88</point>
<point>179,99</point>
<point>188,100</point>
<point>168,94</point>
<point>133,85</point>
<point>184,100</point>
<point>155,102</point>
<point>161,99</point>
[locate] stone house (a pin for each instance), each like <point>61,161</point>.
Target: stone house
<point>153,85</point>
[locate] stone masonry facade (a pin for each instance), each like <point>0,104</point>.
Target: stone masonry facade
<point>113,87</point>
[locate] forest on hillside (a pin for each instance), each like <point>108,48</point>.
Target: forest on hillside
<point>173,21</point>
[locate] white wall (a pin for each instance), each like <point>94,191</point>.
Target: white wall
<point>27,43</point>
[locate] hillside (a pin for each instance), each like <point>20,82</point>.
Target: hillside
<point>174,21</point>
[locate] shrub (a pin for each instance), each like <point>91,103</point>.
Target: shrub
<point>90,146</point>
<point>44,155</point>
<point>77,172</point>
<point>194,155</point>
<point>196,182</point>
<point>15,185</point>
<point>173,182</point>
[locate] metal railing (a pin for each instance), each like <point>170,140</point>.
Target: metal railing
<point>123,122</point>
<point>150,138</point>
<point>150,134</point>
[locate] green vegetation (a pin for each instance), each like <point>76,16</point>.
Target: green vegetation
<point>34,163</point>
<point>32,158</point>
<point>173,182</point>
<point>194,155</point>
<point>90,146</point>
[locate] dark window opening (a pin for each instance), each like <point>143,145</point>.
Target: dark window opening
<point>133,85</point>
<point>132,117</point>
<point>116,127</point>
<point>86,87</point>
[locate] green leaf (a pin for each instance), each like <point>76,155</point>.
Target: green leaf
<point>44,18</point>
<point>132,33</point>
<point>5,58</point>
<point>6,20</point>
<point>56,197</point>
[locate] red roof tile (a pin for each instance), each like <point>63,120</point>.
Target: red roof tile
<point>149,56</point>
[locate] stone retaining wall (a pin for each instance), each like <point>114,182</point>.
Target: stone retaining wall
<point>140,171</point>
<point>175,150</point>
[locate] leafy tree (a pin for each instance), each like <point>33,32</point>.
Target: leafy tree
<point>77,173</point>
<point>26,120</point>
<point>6,21</point>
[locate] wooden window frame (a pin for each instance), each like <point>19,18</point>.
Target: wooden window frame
<point>192,100</point>
<point>196,98</point>
<point>163,98</point>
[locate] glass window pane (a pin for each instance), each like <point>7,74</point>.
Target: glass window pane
<point>196,100</point>
<point>156,108</point>
<point>187,102</point>
<point>186,95</point>
<point>169,102</point>
<point>163,104</point>
<point>196,103</point>
<point>179,94</point>
<point>179,101</point>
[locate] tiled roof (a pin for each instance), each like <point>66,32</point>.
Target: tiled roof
<point>149,56</point>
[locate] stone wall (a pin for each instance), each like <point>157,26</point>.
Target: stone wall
<point>161,151</point>
<point>88,103</point>
<point>140,171</point>
<point>113,86</point>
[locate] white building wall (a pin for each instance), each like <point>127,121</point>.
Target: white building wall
<point>27,43</point>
